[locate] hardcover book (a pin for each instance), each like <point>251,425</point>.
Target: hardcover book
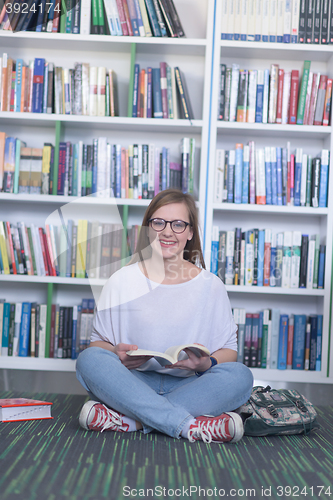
<point>16,409</point>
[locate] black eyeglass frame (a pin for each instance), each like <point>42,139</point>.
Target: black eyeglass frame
<point>170,222</point>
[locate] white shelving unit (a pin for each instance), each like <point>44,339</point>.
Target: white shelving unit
<point>194,57</point>
<point>224,135</point>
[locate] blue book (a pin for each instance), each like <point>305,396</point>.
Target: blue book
<point>139,18</point>
<point>261,253</point>
<point>268,172</point>
<point>157,93</point>
<point>18,85</point>
<point>321,270</point>
<point>248,338</point>
<point>133,17</point>
<point>275,338</point>
<point>37,87</point>
<point>149,92</point>
<point>287,11</point>
<point>135,90</point>
<point>283,342</point>
<point>164,169</point>
<point>45,89</point>
<point>238,173</point>
<point>299,341</point>
<point>214,250</point>
<point>319,341</point>
<point>260,96</point>
<point>74,353</point>
<point>25,329</point>
<point>5,329</point>
<point>94,167</point>
<point>279,175</point>
<point>61,168</point>
<point>274,176</point>
<point>40,15</point>
<point>313,341</point>
<point>323,182</point>
<point>27,21</point>
<point>272,272</point>
<point>246,174</point>
<point>298,177</point>
<point>118,171</point>
<point>75,169</point>
<point>254,341</point>
<point>153,18</point>
<point>231,176</point>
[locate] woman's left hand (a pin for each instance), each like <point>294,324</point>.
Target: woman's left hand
<point>193,362</point>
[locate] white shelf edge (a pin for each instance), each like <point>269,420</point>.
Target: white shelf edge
<point>276,209</point>
<point>109,120</point>
<point>244,45</point>
<point>23,278</point>
<point>274,127</point>
<point>275,290</point>
<point>39,364</point>
<point>84,200</point>
<point>302,376</point>
<point>201,42</point>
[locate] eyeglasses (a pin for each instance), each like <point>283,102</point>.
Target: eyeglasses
<point>177,226</point>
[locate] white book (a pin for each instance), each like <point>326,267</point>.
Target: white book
<point>249,258</point>
<point>140,172</point>
<point>265,21</point>
<point>144,16</point>
<point>286,97</point>
<point>244,20</point>
<point>296,259</point>
<point>38,251</point>
<point>101,75</point>
<point>275,338</point>
<point>252,96</point>
<point>295,20</point>
<point>231,19</point>
<point>269,339</point>
<point>101,167</point>
<point>265,99</point>
<point>85,89</point>
<point>287,22</point>
<point>219,175</point>
<point>79,168</point>
<point>151,168</point>
<point>234,92</point>
<point>273,92</point>
<point>260,174</point>
<point>229,254</point>
<point>25,246</point>
<point>42,330</point>
<point>272,20</point>
<point>67,83</point>
<point>258,28</point>
<point>310,265</point>
<point>286,259</point>
<point>17,325</point>
<point>224,20</point>
<point>251,20</point>
<point>272,277</point>
<point>54,239</point>
<point>92,90</point>
<point>242,263</point>
<point>280,21</point>
<point>85,16</point>
<point>303,179</point>
<point>116,19</point>
<point>110,17</point>
<point>237,21</point>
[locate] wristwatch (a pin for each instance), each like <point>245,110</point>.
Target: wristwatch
<point>214,362</point>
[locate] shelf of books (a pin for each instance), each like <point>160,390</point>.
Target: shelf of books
<point>92,126</point>
<point>269,218</point>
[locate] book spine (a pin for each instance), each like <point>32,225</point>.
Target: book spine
<point>293,97</point>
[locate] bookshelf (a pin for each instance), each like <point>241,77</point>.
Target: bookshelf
<point>194,57</point>
<point>225,135</point>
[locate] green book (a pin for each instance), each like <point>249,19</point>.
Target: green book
<point>302,93</point>
<point>264,338</point>
<point>131,81</point>
<point>316,262</point>
<point>95,17</point>
<point>101,19</point>
<point>32,251</point>
<point>11,329</point>
<point>63,16</point>
<point>69,16</point>
<point>308,182</point>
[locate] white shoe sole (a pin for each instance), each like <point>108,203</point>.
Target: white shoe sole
<point>83,417</point>
<point>238,426</point>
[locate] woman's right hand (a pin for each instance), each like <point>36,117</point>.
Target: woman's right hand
<point>130,362</point>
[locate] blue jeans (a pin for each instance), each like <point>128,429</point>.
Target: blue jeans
<point>162,402</point>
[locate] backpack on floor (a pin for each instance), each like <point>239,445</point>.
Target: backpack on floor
<point>277,411</point>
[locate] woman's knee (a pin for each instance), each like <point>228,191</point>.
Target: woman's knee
<point>93,356</point>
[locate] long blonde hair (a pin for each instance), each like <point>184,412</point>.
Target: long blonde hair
<point>192,251</point>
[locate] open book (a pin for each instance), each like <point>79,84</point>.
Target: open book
<point>171,355</point>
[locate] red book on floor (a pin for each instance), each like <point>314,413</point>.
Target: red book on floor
<point>16,409</point>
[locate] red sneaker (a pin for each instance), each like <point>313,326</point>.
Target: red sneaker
<point>95,416</point>
<point>227,427</point>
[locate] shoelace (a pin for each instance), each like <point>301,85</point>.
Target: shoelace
<point>108,419</point>
<point>207,430</point>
